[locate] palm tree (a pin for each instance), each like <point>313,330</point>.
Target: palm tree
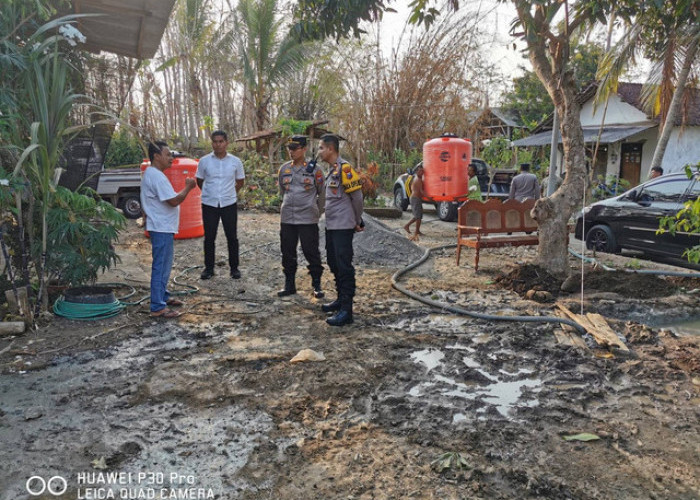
<point>668,34</point>
<point>267,54</point>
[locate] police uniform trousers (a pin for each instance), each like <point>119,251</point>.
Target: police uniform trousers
<point>339,256</point>
<point>210,221</point>
<point>290,236</point>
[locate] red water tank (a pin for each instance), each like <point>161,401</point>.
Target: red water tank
<point>191,225</point>
<point>446,163</point>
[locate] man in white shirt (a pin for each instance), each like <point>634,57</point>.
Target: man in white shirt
<point>160,207</point>
<point>220,175</point>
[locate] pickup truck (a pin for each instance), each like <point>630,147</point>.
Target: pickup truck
<point>122,188</point>
<point>494,183</point>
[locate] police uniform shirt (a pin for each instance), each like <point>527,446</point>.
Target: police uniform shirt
<point>302,194</point>
<point>523,186</point>
<point>343,210</point>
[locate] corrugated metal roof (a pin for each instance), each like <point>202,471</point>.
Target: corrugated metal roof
<point>130,28</point>
<point>590,135</point>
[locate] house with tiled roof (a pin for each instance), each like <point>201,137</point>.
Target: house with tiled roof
<point>621,137</point>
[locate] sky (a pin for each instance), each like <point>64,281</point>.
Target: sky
<point>497,44</point>
<point>496,16</point>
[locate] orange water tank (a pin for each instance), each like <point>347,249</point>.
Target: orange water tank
<point>191,225</point>
<point>446,163</point>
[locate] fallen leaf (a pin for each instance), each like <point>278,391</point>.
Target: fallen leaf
<point>99,463</point>
<point>307,355</point>
<point>584,436</point>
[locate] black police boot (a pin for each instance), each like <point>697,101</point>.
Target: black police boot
<point>316,285</point>
<point>289,286</point>
<point>331,306</point>
<point>342,317</point>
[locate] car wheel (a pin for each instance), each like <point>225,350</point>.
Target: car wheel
<point>447,211</point>
<point>131,206</point>
<point>400,201</point>
<point>601,239</point>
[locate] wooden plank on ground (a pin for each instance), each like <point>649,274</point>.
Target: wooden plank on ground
<point>569,336</point>
<point>603,330</point>
<point>599,334</point>
<point>581,320</point>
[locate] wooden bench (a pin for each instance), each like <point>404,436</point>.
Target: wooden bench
<point>493,223</point>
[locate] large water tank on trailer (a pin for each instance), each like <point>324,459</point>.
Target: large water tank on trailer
<point>446,163</point>
<point>191,225</point>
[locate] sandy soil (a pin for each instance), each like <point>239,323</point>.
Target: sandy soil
<point>408,402</point>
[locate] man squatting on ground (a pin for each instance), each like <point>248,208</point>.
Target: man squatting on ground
<point>162,214</point>
<point>303,200</point>
<point>220,176</point>
<point>416,200</point>
<point>343,220</point>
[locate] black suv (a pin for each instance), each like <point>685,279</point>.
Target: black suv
<point>494,183</point>
<point>632,219</point>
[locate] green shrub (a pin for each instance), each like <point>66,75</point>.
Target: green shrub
<point>81,233</point>
<point>124,150</point>
<point>260,189</point>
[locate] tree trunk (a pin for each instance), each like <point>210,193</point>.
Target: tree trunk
<point>550,57</point>
<point>675,105</point>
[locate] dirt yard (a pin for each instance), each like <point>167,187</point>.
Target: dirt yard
<point>408,402</point>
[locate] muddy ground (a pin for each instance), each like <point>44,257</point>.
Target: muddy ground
<point>408,403</point>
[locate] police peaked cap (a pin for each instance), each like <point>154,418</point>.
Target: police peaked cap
<point>299,140</point>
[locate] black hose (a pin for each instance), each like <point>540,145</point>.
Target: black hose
<point>682,274</point>
<point>459,310</point>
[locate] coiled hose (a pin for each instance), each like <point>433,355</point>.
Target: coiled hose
<point>458,310</point>
<point>87,312</point>
<point>94,312</point>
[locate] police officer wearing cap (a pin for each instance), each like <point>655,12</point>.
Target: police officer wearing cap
<point>303,199</point>
<point>343,220</point>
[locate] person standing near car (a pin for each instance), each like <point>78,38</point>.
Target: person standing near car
<point>160,207</point>
<point>416,200</point>
<point>303,199</point>
<point>656,172</point>
<point>474,187</point>
<point>343,220</point>
<point>220,176</point>
<point>524,185</point>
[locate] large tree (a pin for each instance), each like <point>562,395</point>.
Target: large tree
<point>549,45</point>
<point>529,98</point>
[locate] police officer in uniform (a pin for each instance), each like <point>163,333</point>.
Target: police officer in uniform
<point>303,199</point>
<point>343,220</point>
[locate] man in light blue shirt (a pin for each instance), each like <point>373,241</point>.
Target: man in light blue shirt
<point>220,175</point>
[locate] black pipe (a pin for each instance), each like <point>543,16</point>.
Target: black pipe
<point>459,310</point>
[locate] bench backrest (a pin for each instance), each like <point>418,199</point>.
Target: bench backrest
<point>495,216</point>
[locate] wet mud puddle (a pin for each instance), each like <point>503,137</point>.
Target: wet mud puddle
<point>502,390</point>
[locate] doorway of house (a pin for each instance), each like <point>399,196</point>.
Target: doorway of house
<point>631,165</point>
